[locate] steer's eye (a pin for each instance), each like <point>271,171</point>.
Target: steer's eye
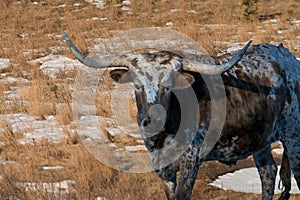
<point>138,87</point>
<point>167,89</point>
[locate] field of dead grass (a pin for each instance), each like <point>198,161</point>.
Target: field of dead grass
<point>30,29</point>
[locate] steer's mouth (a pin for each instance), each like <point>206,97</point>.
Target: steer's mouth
<point>155,122</point>
<point>151,128</point>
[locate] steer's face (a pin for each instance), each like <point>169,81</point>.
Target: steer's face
<point>154,76</point>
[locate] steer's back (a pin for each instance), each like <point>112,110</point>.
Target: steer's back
<point>262,101</point>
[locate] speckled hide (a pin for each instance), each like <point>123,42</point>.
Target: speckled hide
<point>262,96</point>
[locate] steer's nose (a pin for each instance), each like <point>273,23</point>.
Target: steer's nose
<point>146,121</point>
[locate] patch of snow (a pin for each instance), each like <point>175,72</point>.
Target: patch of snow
<point>29,52</point>
<point>114,132</point>
<point>247,180</point>
<point>56,49</point>
<point>87,140</point>
<point>34,129</point>
<point>132,130</point>
<point>23,35</point>
<point>52,65</point>
<point>57,188</point>
<point>169,24</point>
<point>125,8</point>
<point>14,80</point>
<point>4,63</point>
<point>101,198</point>
<point>45,59</point>
<point>141,142</point>
<point>77,4</point>
<point>296,21</point>
<point>174,10</point>
<point>4,162</point>
<point>50,167</point>
<point>98,3</point>
<point>126,2</point>
<point>87,127</point>
<point>270,21</point>
<point>136,148</point>
<point>13,93</point>
<point>101,18</point>
<point>192,11</point>
<point>61,6</point>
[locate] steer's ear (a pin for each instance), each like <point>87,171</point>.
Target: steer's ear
<point>183,80</point>
<point>120,75</point>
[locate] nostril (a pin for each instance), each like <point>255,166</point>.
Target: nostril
<point>145,122</point>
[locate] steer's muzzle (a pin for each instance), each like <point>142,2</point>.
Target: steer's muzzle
<point>154,122</point>
<point>145,121</point>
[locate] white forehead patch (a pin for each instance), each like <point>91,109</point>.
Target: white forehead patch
<point>150,74</point>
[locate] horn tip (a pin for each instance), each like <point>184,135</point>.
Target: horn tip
<point>249,42</point>
<point>65,35</point>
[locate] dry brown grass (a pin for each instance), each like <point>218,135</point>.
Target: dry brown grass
<point>25,26</point>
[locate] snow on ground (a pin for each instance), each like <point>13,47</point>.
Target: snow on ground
<point>136,148</point>
<point>13,94</point>
<point>247,180</point>
<point>101,198</point>
<point>47,167</point>
<point>32,128</point>
<point>4,162</point>
<point>4,63</point>
<point>57,188</point>
<point>101,18</point>
<point>98,3</point>
<point>53,65</point>
<point>89,128</point>
<point>11,80</point>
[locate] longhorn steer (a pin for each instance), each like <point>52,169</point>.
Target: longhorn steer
<point>262,106</point>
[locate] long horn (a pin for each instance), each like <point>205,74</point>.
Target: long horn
<point>110,61</point>
<point>209,69</point>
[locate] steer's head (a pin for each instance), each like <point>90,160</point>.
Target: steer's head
<point>154,75</point>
